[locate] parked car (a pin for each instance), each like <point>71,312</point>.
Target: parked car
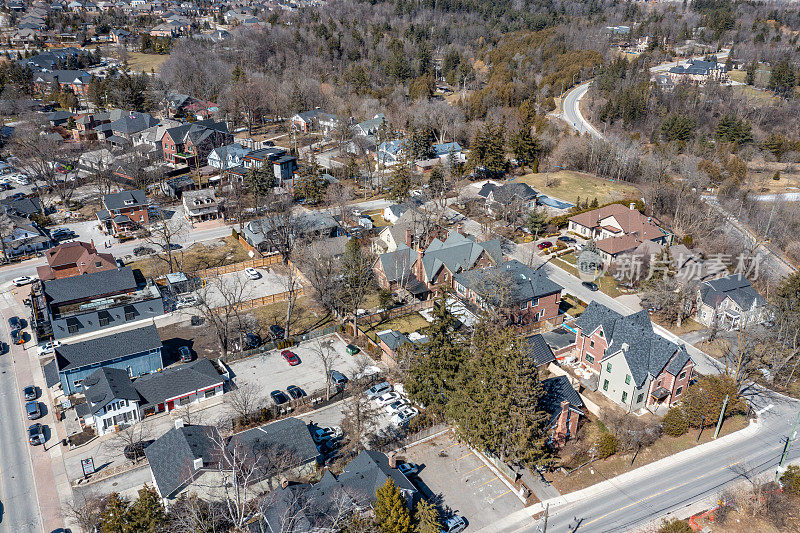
<point>185,354</point>
<point>32,410</point>
<point>295,392</point>
<point>543,245</point>
<point>36,434</point>
<point>247,342</point>
<point>276,332</point>
<point>395,407</point>
<point>291,357</point>
<point>3,348</point>
<point>379,389</point>
<point>590,285</point>
<point>14,323</point>
<point>279,397</point>
<point>328,447</point>
<point>17,336</point>
<point>454,524</point>
<point>408,469</point>
<point>48,348</point>
<point>252,273</point>
<point>142,250</point>
<point>29,393</point>
<point>404,416</point>
<point>22,280</point>
<point>135,450</point>
<point>322,434</point>
<point>338,378</point>
<point>185,301</point>
<point>171,246</point>
<point>566,238</point>
<point>387,398</point>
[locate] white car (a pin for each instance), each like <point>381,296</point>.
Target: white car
<point>252,273</point>
<point>385,399</point>
<point>22,280</point>
<point>20,179</point>
<point>48,348</point>
<point>395,407</point>
<point>379,389</point>
<point>369,371</point>
<point>186,301</point>
<point>404,416</point>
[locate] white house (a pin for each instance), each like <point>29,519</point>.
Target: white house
<point>731,302</point>
<point>200,205</point>
<point>227,156</point>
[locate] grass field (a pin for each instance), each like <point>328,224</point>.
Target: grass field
<point>404,324</point>
<point>567,185</point>
<point>139,62</point>
<point>196,257</point>
<point>759,96</point>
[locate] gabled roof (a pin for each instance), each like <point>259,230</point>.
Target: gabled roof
<point>540,351</point>
<point>458,252</point>
<point>507,192</point>
<point>734,286</point>
<point>630,220</point>
<point>118,200</point>
<point>316,114</point>
<point>105,385</point>
<point>397,264</point>
<point>515,281</point>
<point>288,437</point>
<point>81,254</point>
<point>88,286</point>
<point>107,348</point>
<point>133,122</point>
<point>23,207</point>
<point>556,390</point>
<point>177,381</point>
<point>172,456</point>
<point>446,148</point>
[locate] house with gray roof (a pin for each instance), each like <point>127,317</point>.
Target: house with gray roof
<point>730,302</point>
<point>564,406</point>
<point>123,211</point>
<point>631,364</point>
<point>112,400</point>
<point>260,235</point>
<point>314,119</point>
<point>516,196</point>
<point>136,352</point>
<point>513,290</point>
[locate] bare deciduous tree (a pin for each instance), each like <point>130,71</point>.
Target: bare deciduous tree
<point>243,401</point>
<point>86,510</point>
<point>165,235</point>
<point>132,439</point>
<point>328,357</point>
<point>219,302</point>
<point>359,423</point>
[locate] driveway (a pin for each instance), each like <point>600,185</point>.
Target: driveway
<point>271,282</point>
<point>452,476</point>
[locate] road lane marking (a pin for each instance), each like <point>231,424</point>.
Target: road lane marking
<point>464,456</point>
<point>765,409</point>
<point>456,444</point>
<point>486,483</point>
<point>501,495</point>
<point>474,469</point>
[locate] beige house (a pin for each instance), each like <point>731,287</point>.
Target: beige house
<point>200,205</point>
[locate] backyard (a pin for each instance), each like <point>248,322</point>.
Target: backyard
<point>196,257</point>
<point>568,186</point>
<point>405,324</point>
<point>306,316</point>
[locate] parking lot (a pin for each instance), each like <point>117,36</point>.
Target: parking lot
<point>237,283</point>
<point>270,371</point>
<point>461,483</point>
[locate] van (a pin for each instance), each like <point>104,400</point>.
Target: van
<point>32,410</point>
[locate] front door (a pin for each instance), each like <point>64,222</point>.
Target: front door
<point>170,405</point>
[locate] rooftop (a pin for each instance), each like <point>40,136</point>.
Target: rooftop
<point>107,348</point>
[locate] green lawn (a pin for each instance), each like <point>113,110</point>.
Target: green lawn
<point>404,324</point>
<point>568,186</point>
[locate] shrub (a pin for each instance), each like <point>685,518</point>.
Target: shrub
<point>675,526</point>
<point>606,445</point>
<point>674,423</point>
<point>791,480</point>
<point>777,176</point>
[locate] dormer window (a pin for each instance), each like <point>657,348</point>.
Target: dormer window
<point>209,200</point>
<point>128,202</point>
<point>197,202</point>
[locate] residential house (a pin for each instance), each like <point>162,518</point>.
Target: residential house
<point>617,229</point>
<point>75,80</point>
<point>699,71</point>
<point>200,205</point>
<point>175,187</point>
<point>730,302</point>
<point>189,144</point>
<point>510,196</point>
<point>314,225</point>
<point>393,212</point>
<point>120,131</point>
<point>425,272</point>
<point>309,508</point>
<point>135,351</point>
<point>522,295</point>
<point>181,456</point>
<point>390,237</point>
<point>74,259</point>
<point>391,152</point>
<point>121,36</point>
<point>91,302</point>
<point>391,340</point>
<point>228,156</point>
<point>21,207</point>
<point>111,400</point>
<point>540,351</point>
<point>123,212</point>
<point>564,406</point>
<point>23,237</point>
<point>634,366</point>
<point>58,118</point>
<point>371,126</point>
<point>151,137</point>
<point>96,161</point>
<point>283,164</point>
<point>314,120</point>
<point>443,151</point>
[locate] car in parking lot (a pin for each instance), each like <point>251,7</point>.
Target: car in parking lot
<point>408,469</point>
<point>295,392</point>
<point>387,398</point>
<point>454,524</point>
<point>338,378</point>
<point>135,450</point>
<point>395,406</point>
<point>29,393</point>
<point>322,434</point>
<point>279,397</point>
<point>48,348</point>
<point>291,357</point>
<point>22,280</point>
<point>17,336</point>
<point>14,323</point>
<point>276,332</point>
<point>378,390</point>
<point>185,354</point>
<point>566,238</point>
<point>543,245</point>
<point>591,286</point>
<point>252,273</point>
<point>36,434</point>
<point>32,410</point>
<point>404,416</point>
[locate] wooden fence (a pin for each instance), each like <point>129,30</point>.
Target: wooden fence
<point>396,312</point>
<point>263,300</point>
<point>258,262</point>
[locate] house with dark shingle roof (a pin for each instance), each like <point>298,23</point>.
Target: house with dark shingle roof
<point>730,302</point>
<point>512,195</point>
<point>564,406</point>
<point>112,400</point>
<point>314,119</point>
<point>634,366</point>
<point>521,294</point>
<point>123,211</point>
<point>190,143</point>
<point>136,352</point>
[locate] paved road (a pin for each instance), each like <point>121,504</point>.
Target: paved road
<point>674,485</point>
<point>20,509</point>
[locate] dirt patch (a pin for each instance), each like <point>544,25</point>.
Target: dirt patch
<point>715,348</point>
<point>198,256</point>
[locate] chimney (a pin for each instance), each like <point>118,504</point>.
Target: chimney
<point>409,238</point>
<point>198,464</point>
<point>178,423</point>
<point>392,460</point>
<point>284,482</point>
<point>460,228</point>
<point>561,425</point>
<point>633,206</point>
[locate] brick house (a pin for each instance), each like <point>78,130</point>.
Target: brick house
<point>635,367</point>
<point>564,406</point>
<point>521,294</point>
<point>190,144</point>
<point>123,212</point>
<point>73,259</point>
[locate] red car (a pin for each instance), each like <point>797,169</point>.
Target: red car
<point>291,357</point>
<point>545,244</point>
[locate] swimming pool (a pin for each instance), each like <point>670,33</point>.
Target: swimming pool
<point>552,202</point>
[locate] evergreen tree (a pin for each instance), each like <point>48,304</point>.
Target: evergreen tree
<point>436,364</point>
<point>427,518</point>
<point>525,146</point>
<point>595,204</point>
<point>399,183</point>
<point>260,180</point>
<point>436,182</point>
<point>782,78</point>
<point>537,222</point>
<point>421,143</point>
<point>391,510</point>
<point>735,130</point>
<point>114,518</point>
<point>147,514</point>
<point>750,73</point>
<point>311,186</point>
<point>488,149</point>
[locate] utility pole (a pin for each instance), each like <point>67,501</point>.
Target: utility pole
<point>789,440</point>
<point>546,514</point>
<point>721,414</point>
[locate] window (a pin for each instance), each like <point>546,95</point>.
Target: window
<point>534,302</point>
<point>104,318</point>
<point>130,312</point>
<point>591,344</point>
<point>683,375</point>
<point>678,391</point>
<point>627,379</point>
<point>98,264</point>
<point>601,333</point>
<point>608,367</point>
<point>72,325</point>
<point>605,385</point>
<point>210,392</point>
<point>78,383</point>
<point>624,397</point>
<point>523,305</point>
<point>185,400</point>
<point>589,359</point>
<point>639,398</point>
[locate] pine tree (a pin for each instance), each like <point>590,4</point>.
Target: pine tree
<point>399,183</point>
<point>537,222</point>
<point>391,510</point>
<point>427,518</point>
<point>147,514</point>
<point>524,146</point>
<point>260,180</point>
<point>114,518</point>
<point>488,149</point>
